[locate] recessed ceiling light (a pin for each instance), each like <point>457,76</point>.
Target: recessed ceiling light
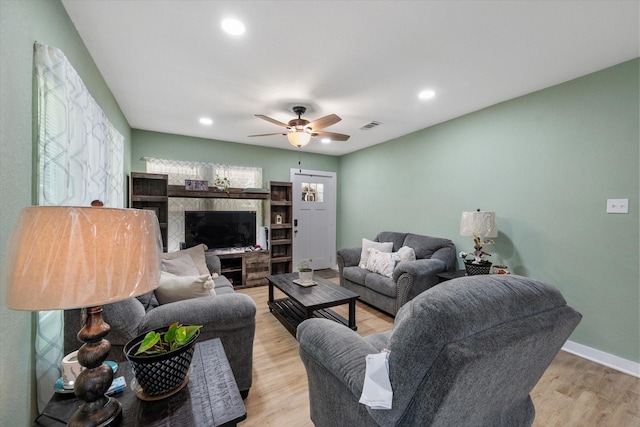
<point>233,27</point>
<point>206,121</point>
<point>325,140</point>
<point>426,94</point>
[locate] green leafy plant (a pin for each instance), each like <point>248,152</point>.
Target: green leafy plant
<point>305,265</point>
<point>175,337</point>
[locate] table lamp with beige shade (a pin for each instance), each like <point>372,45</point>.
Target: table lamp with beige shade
<point>62,257</point>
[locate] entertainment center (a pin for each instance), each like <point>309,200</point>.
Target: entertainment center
<point>228,233</point>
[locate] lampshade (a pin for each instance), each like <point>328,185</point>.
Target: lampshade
<point>482,224</point>
<point>62,257</point>
<point>298,139</point>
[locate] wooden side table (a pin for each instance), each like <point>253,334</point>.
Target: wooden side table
<point>448,275</point>
<point>210,399</point>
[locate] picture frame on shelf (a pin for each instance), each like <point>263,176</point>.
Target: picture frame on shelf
<point>196,185</point>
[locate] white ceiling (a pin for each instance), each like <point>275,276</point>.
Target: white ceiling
<point>168,63</point>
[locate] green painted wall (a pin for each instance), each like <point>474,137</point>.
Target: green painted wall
<point>21,24</point>
<point>275,163</point>
<point>545,163</point>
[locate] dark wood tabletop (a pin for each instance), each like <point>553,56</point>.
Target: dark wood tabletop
<point>211,398</point>
<point>305,302</point>
<point>324,294</point>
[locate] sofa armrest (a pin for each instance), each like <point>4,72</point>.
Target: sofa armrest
<point>220,313</point>
<point>213,263</point>
<point>348,257</point>
<point>338,350</point>
<point>415,277</point>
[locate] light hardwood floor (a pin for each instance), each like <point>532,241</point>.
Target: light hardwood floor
<point>573,391</point>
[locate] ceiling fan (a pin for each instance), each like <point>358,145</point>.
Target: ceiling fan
<point>300,130</point>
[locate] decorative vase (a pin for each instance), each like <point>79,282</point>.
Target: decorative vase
<point>474,269</point>
<point>160,374</point>
<point>305,276</point>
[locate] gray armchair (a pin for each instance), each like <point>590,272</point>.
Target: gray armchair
<point>465,353</point>
<point>228,315</point>
<point>433,255</point>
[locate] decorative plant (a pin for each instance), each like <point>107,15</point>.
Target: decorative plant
<point>175,337</point>
<point>222,183</point>
<point>305,265</point>
<point>478,253</point>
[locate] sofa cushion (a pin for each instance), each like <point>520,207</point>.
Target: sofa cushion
<point>368,244</point>
<point>425,246</point>
<point>381,284</point>
<point>174,288</point>
<point>355,274</point>
<point>381,262</point>
<point>392,236</point>
<point>222,285</point>
<point>196,252</point>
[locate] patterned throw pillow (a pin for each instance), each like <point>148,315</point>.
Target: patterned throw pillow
<point>369,244</point>
<point>381,262</point>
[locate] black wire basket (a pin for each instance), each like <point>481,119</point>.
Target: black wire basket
<point>474,269</point>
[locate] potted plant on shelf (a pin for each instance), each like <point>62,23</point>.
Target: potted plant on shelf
<point>160,359</point>
<point>478,265</point>
<point>305,272</point>
<point>222,183</point>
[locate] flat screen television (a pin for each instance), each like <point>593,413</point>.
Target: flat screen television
<point>220,229</point>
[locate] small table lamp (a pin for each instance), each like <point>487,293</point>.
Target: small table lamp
<point>479,223</point>
<point>62,257</point>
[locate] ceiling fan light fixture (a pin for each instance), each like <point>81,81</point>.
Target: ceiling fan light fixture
<point>233,27</point>
<point>298,139</point>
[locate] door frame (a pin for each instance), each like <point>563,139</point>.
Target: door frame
<point>333,176</point>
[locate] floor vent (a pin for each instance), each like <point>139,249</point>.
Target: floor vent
<point>370,125</point>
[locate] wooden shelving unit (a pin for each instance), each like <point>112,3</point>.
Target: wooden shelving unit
<point>211,193</point>
<point>281,228</point>
<point>149,191</point>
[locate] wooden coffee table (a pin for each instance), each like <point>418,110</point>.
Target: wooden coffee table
<point>306,302</point>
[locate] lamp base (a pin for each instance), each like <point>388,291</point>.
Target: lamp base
<point>93,382</point>
<point>97,414</point>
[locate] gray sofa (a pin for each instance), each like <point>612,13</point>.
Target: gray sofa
<point>228,315</point>
<point>464,353</point>
<point>410,278</point>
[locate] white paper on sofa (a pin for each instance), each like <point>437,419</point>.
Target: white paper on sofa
<point>376,391</point>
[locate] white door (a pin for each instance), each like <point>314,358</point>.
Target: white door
<point>314,218</point>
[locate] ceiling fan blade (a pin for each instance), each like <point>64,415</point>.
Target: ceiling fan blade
<point>274,121</point>
<point>324,122</point>
<point>331,135</point>
<point>269,134</point>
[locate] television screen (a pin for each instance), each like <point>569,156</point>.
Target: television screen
<point>220,229</point>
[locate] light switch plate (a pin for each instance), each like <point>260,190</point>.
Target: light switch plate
<point>620,206</point>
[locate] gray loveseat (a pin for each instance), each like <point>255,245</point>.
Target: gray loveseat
<point>410,278</point>
<point>228,315</point>
<point>464,353</point>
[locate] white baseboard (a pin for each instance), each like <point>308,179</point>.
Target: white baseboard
<point>606,359</point>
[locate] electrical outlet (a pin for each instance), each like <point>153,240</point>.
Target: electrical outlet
<point>620,206</point>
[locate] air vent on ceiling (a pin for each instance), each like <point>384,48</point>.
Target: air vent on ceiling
<point>370,125</point>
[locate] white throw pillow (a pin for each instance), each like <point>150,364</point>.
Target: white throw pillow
<point>174,288</point>
<point>369,244</point>
<point>196,252</point>
<point>381,262</point>
<point>182,266</point>
<point>406,253</point>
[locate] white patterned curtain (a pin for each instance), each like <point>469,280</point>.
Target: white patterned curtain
<point>179,170</point>
<point>80,158</point>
